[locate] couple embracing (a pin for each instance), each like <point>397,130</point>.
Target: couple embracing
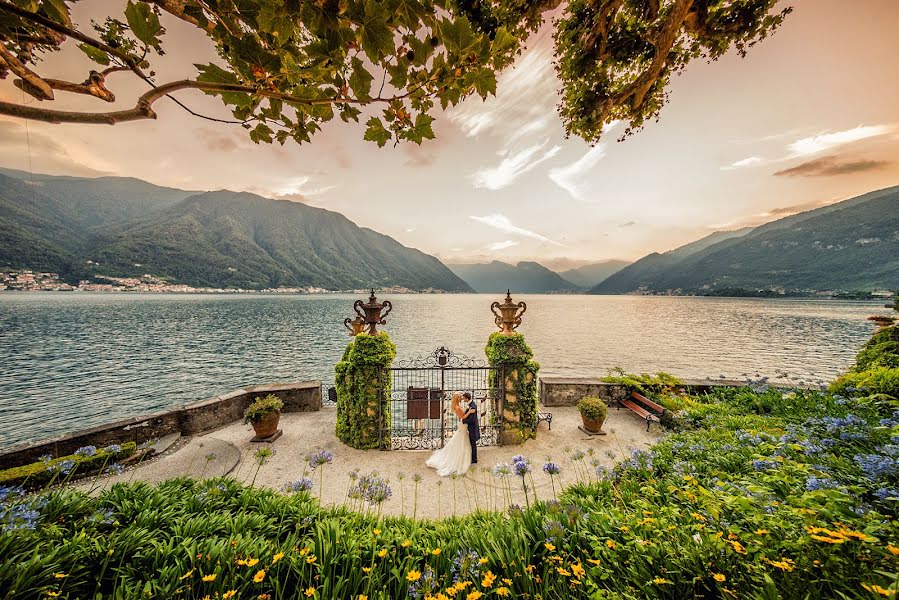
<point>462,449</point>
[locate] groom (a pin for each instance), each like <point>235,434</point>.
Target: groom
<point>474,430</point>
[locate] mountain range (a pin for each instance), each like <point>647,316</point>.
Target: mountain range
<point>128,227</point>
<point>849,245</point>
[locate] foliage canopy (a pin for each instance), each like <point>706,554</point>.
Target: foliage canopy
<point>286,68</point>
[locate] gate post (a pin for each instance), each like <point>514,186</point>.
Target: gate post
<point>363,391</point>
<point>516,371</point>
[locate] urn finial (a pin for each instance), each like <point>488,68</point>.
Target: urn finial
<point>508,318</point>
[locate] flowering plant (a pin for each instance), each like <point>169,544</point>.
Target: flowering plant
<point>261,407</point>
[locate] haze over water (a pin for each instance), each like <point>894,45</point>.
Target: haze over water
<point>69,361</point>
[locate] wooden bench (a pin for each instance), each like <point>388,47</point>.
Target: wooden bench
<point>643,407</point>
<point>546,417</point>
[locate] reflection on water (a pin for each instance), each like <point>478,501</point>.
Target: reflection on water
<point>72,360</point>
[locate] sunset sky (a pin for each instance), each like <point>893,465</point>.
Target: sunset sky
<point>809,117</point>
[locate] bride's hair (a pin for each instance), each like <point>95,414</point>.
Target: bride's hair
<point>456,399</point>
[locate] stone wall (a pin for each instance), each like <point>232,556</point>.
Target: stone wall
<point>568,391</point>
<point>188,419</point>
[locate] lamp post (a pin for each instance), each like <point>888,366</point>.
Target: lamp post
<point>372,316</point>
<point>508,318</point>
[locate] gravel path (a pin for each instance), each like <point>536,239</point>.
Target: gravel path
<point>306,433</point>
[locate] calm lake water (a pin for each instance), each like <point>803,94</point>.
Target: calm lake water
<point>71,360</point>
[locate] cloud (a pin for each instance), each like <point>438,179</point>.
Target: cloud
<point>503,223</point>
<point>826,141</point>
<point>746,162</point>
<point>495,246</point>
<point>829,166</point>
<point>513,166</point>
<point>30,149</point>
<point>569,177</point>
<point>628,224</point>
<point>216,141</point>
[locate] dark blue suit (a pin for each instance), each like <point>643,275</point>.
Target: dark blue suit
<point>474,430</point>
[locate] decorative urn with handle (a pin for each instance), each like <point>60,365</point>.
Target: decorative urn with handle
<point>508,318</point>
<point>371,312</point>
<point>356,326</point>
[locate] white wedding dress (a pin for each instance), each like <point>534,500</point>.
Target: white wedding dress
<point>455,456</point>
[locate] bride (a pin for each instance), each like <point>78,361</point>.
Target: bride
<point>455,456</point>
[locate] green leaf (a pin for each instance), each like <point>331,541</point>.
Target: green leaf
<point>360,80</point>
<point>57,10</point>
<point>144,23</point>
<point>409,13</point>
<point>377,40</point>
<point>98,56</point>
<point>350,112</point>
<point>376,132</point>
<point>504,42</point>
<point>262,133</point>
<point>484,81</point>
<point>422,129</point>
<point>398,75</point>
<point>458,36</point>
<point>213,73</point>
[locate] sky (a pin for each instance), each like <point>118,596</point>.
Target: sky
<point>808,118</point>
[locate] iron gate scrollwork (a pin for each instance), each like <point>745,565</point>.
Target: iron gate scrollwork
<point>421,388</point>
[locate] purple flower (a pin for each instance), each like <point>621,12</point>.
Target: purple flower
<point>114,469</point>
<point>551,468</point>
<point>86,451</point>
<point>112,449</point>
<point>303,485</point>
<point>521,468</point>
<point>322,457</point>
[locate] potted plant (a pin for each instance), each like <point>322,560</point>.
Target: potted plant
<point>593,413</point>
<point>264,414</point>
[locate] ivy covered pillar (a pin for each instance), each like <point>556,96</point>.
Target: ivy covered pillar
<point>363,390</point>
<point>513,362</point>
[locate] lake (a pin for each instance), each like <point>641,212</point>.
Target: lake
<point>72,360</point>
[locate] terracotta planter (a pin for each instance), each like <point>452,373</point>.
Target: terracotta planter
<point>592,425</point>
<point>267,425</point>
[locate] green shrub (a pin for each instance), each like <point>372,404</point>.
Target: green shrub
<point>645,383</point>
<point>882,350</point>
<point>363,391</point>
<point>878,380</point>
<point>39,473</point>
<point>593,408</point>
<point>262,407</point>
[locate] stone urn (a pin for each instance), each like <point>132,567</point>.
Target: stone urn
<point>592,425</point>
<point>593,413</point>
<point>267,425</point>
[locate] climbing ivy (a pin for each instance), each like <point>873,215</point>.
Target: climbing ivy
<point>362,390</point>
<point>520,382</point>
<point>645,383</point>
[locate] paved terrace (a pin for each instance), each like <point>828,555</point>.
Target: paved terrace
<point>307,432</point>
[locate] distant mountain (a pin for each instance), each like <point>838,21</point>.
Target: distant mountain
<point>591,275</point>
<point>524,278</point>
<point>214,239</point>
<point>850,245</point>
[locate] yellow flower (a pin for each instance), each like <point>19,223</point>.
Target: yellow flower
<point>578,570</point>
<point>488,580</point>
<point>251,562</point>
<point>563,572</point>
<point>413,575</point>
<point>876,589</point>
<point>52,594</point>
<point>277,557</point>
<point>436,551</point>
<point>784,565</point>
<point>229,594</point>
<point>61,575</point>
<point>893,549</point>
<point>382,552</point>
<point>737,546</point>
<point>304,551</point>
<point>362,597</point>
<point>259,576</point>
<point>310,592</point>
<point>406,543</point>
<point>761,531</point>
<point>610,543</point>
<point>828,540</point>
<point>550,547</point>
<point>482,561</point>
<point>697,516</point>
<point>624,528</point>
<point>856,534</point>
<point>474,595</point>
<point>377,532</point>
<point>209,577</point>
<point>595,561</point>
<point>310,559</point>
<point>503,591</point>
<point>660,580</point>
<point>719,577</point>
<point>186,575</point>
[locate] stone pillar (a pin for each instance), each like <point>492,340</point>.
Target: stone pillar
<point>514,361</point>
<point>363,390</point>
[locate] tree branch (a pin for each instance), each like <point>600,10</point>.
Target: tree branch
<point>31,83</point>
<point>94,85</point>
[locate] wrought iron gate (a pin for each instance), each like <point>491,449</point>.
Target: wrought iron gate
<point>421,389</point>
